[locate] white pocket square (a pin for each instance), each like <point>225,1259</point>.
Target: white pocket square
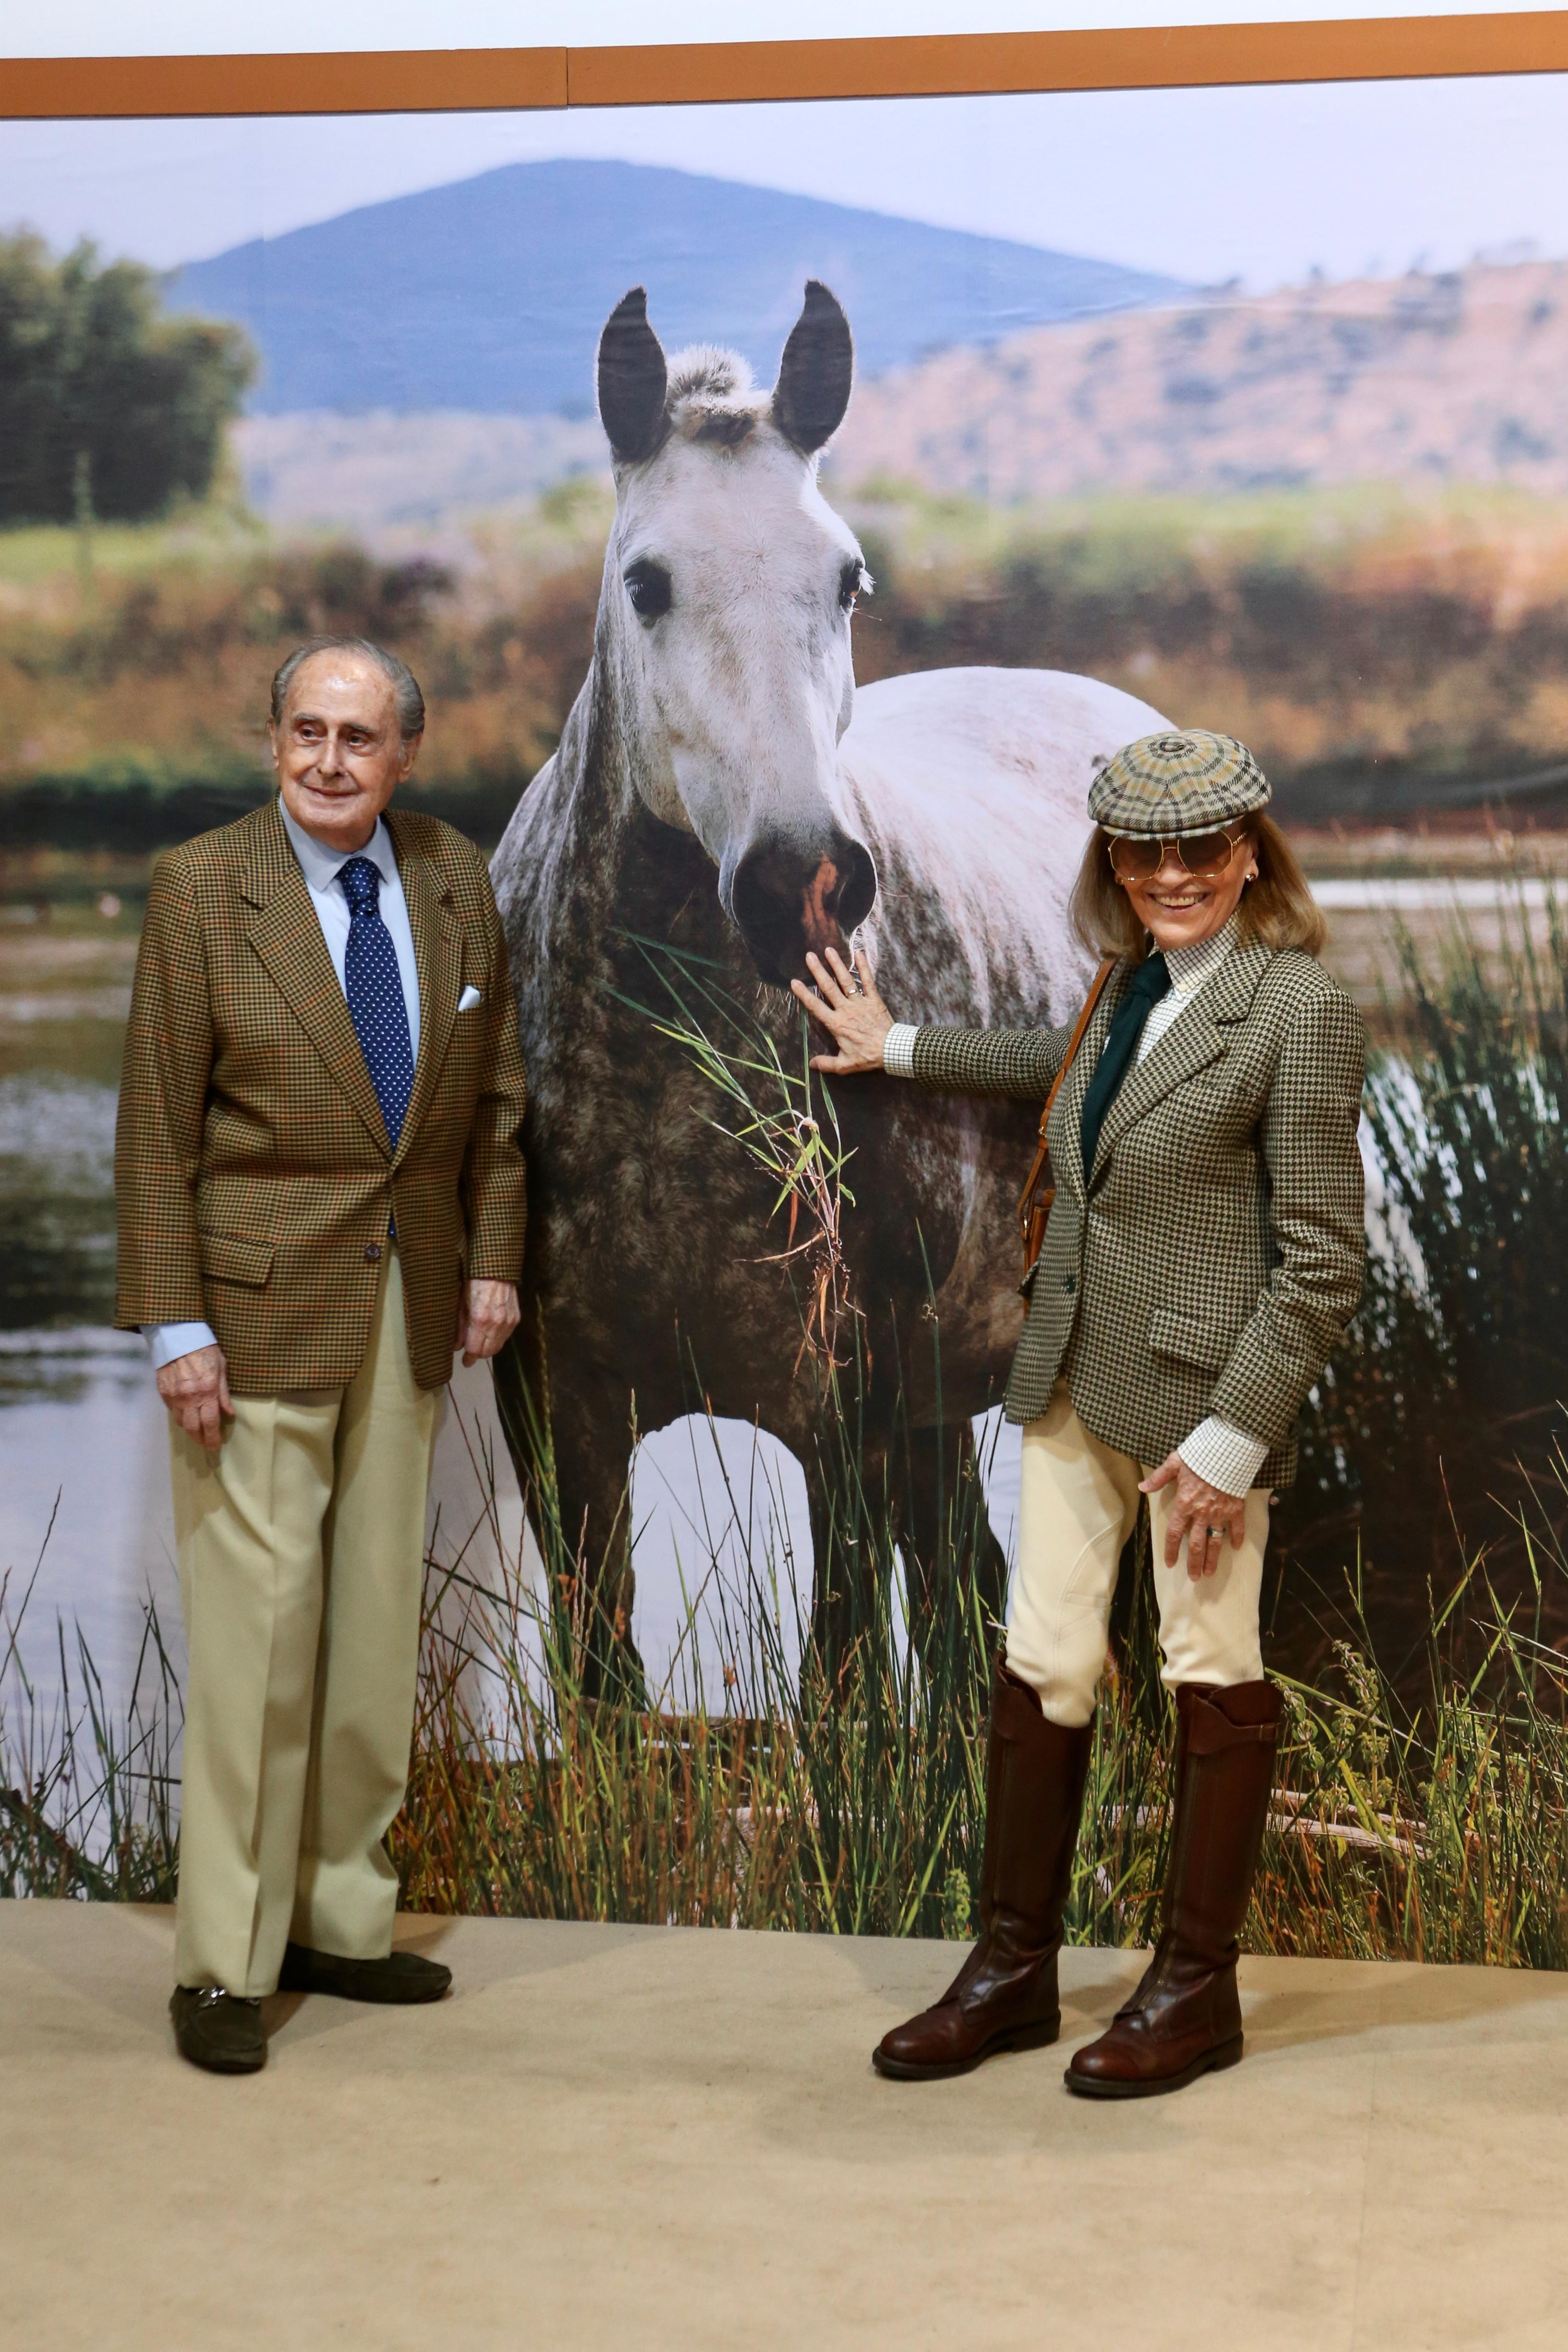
<point>469,1000</point>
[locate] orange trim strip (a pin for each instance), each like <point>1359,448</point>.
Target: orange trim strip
<point>1369,48</point>
<point>380,82</point>
<point>396,81</point>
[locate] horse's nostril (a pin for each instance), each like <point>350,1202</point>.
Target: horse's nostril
<point>766,898</point>
<point>857,893</point>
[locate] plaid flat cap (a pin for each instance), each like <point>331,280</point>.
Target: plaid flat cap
<point>1174,784</point>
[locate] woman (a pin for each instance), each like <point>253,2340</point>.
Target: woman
<point>1202,1258</point>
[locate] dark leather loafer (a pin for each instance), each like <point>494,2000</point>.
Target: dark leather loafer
<point>401,1976</point>
<point>217,2030</point>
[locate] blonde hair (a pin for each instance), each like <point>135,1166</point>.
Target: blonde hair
<point>1278,909</point>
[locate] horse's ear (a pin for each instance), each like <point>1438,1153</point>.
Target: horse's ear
<point>816,372</point>
<point>632,379</point>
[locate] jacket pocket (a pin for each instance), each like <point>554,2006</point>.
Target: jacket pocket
<point>229,1257</point>
<point>1187,1339</point>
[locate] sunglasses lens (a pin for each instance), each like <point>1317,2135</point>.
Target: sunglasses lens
<point>1135,857</point>
<point>1133,860</point>
<point>1206,852</point>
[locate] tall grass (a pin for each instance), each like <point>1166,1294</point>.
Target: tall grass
<point>858,1807</point>
<point>89,1796</point>
<point>855,1804</point>
<point>1442,1419</point>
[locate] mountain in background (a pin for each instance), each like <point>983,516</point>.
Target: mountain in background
<point>1461,377</point>
<point>488,294</point>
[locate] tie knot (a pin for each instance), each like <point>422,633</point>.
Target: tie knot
<point>361,882</point>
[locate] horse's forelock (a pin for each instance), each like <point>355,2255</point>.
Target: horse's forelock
<point>712,396</point>
<point>705,372</point>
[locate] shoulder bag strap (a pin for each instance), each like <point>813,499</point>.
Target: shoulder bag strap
<point>1029,1205</point>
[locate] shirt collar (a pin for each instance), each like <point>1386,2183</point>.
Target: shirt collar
<point>321,865</point>
<point>1190,967</point>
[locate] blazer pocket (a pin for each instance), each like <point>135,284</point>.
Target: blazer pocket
<point>1187,1339</point>
<point>229,1257</point>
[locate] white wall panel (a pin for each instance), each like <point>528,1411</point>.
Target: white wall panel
<point>84,28</point>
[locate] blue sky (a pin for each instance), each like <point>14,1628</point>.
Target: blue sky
<point>1262,184</point>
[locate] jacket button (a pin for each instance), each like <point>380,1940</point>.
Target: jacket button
<point>1069,1284</point>
<point>372,1251</point>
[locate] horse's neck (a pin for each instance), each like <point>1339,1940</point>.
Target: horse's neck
<point>579,829</point>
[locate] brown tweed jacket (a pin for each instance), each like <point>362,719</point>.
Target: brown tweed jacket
<point>1215,1256</point>
<point>253,1178</point>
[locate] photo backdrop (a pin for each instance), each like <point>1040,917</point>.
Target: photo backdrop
<point>1277,443</point>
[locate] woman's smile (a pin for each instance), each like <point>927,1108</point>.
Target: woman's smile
<point>1179,908</point>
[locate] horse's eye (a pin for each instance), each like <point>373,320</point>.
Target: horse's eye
<point>850,580</point>
<point>648,585</point>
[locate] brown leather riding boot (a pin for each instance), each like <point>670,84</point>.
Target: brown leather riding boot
<point>1004,1996</point>
<point>1184,2018</point>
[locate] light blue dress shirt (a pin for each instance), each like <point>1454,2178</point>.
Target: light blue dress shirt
<point>320,868</point>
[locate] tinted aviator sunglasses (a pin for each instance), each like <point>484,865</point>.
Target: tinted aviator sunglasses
<point>1138,857</point>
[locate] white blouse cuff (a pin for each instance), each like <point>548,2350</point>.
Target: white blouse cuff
<point>898,1049</point>
<point>1226,1456</point>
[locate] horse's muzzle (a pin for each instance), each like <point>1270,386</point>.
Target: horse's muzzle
<point>789,899</point>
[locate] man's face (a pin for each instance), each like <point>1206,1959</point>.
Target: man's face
<point>339,754</point>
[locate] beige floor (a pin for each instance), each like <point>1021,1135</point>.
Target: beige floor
<point>646,2139</point>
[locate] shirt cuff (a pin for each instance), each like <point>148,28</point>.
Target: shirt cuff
<point>168,1340</point>
<point>898,1049</point>
<point>1226,1456</point>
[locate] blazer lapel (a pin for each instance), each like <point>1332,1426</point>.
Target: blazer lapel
<point>1199,1035</point>
<point>438,952</point>
<point>286,935</point>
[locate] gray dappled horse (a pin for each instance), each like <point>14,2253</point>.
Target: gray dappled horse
<point>720,786</point>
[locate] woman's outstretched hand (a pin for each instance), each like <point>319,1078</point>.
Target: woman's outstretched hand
<point>850,1010</point>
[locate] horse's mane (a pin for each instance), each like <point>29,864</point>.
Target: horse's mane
<point>712,396</point>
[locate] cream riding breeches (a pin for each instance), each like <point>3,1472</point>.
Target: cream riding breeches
<point>1078,1506</point>
<point>302,1550</point>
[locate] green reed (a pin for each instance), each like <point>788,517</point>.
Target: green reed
<point>89,1792</point>
<point>1444,1405</point>
<point>854,1803</point>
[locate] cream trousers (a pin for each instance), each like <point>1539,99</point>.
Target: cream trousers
<point>1078,1506</point>
<point>301,1551</point>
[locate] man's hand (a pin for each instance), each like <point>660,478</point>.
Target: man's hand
<point>487,1318</point>
<point>195,1388</point>
<point>1201,1513</point>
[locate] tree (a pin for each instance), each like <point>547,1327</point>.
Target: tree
<point>108,405</point>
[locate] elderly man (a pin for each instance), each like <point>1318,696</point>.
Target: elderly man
<point>321,1194</point>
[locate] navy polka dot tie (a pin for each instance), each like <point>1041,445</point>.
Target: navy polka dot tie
<point>374,989</point>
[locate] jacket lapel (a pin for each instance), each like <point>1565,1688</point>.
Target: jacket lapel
<point>286,935</point>
<point>1199,1035</point>
<point>438,952</point>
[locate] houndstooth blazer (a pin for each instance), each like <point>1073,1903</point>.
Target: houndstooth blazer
<point>253,1181</point>
<point>1212,1260</point>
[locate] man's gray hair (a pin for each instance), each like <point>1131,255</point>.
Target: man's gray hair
<point>409,700</point>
